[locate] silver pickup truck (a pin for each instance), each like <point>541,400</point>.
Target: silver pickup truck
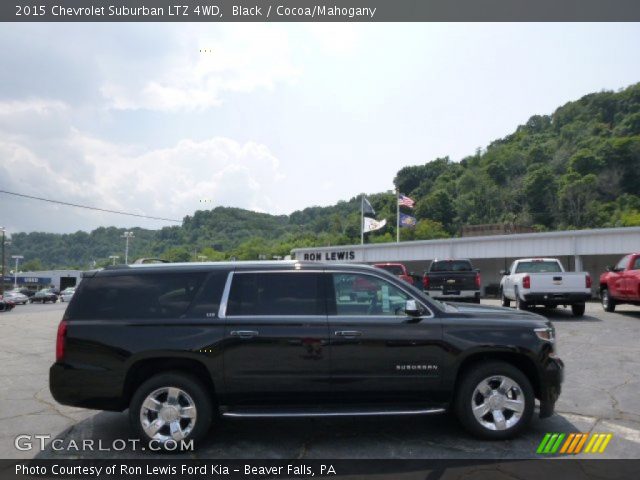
<point>543,281</point>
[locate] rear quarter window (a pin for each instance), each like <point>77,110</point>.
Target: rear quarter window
<point>142,296</point>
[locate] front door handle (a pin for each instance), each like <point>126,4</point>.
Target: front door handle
<point>348,333</point>
<point>244,333</point>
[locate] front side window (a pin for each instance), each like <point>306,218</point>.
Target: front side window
<point>276,293</point>
<point>359,294</point>
<point>622,264</point>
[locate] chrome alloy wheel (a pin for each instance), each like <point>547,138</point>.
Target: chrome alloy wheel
<point>168,413</point>
<point>498,402</point>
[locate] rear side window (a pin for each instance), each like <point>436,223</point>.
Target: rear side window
<point>278,293</point>
<point>538,267</point>
<point>451,266</point>
<point>394,269</point>
<point>165,295</point>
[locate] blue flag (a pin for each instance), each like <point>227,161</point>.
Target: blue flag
<point>407,220</point>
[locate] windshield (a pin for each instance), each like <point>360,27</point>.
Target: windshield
<point>538,267</point>
<point>451,266</point>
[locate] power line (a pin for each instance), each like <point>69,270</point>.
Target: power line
<point>88,207</point>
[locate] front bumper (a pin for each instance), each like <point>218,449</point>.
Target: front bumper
<point>552,377</point>
<point>550,298</point>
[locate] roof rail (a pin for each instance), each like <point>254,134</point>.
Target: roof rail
<point>150,260</point>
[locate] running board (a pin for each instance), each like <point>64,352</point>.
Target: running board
<point>255,413</point>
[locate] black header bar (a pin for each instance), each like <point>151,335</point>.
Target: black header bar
<point>320,11</point>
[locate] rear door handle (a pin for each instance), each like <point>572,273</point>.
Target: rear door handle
<point>244,333</point>
<point>348,333</point>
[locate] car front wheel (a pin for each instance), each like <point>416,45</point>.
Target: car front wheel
<point>495,401</point>
<point>170,408</point>
<point>608,303</point>
<point>505,301</point>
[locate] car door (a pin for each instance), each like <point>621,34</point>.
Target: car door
<point>616,283</point>
<point>508,283</point>
<point>276,337</point>
<point>378,352</point>
<point>632,280</point>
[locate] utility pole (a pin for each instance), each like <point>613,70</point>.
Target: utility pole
<point>114,258</point>
<point>127,235</point>
<point>15,274</point>
<point>2,282</point>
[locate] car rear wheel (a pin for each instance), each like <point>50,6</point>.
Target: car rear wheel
<point>495,401</point>
<point>608,303</point>
<point>520,305</point>
<point>578,309</point>
<point>169,408</point>
<point>505,301</point>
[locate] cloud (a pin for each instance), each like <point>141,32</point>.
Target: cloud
<point>164,182</point>
<point>203,65</point>
<point>37,106</point>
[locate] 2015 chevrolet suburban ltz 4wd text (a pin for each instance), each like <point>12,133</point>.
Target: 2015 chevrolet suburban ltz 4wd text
<point>180,344</point>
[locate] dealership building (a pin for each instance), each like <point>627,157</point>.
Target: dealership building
<point>60,279</point>
<point>578,250</point>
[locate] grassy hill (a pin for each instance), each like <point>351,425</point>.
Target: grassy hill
<point>576,168</point>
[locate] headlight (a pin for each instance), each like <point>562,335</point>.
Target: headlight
<point>547,334</point>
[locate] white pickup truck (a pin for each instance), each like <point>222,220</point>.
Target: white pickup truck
<point>543,281</point>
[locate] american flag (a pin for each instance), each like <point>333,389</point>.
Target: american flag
<point>405,201</point>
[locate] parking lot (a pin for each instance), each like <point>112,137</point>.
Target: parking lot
<point>601,394</point>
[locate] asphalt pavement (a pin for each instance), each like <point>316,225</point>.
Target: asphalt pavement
<point>601,394</point>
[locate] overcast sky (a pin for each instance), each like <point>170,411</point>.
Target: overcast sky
<point>272,117</point>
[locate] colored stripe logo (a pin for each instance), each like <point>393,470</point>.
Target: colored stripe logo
<point>573,443</point>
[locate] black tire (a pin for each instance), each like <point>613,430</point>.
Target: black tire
<point>520,305</point>
<point>505,301</point>
<point>578,309</point>
<point>197,393</point>
<point>465,398</point>
<point>608,303</point>
<point>476,300</point>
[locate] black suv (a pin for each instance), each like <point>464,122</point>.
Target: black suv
<point>179,344</point>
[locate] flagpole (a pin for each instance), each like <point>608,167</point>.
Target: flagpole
<point>397,216</point>
<point>362,219</point>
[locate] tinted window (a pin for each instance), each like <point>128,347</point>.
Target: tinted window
<point>636,264</point>
<point>166,295</point>
<point>207,302</point>
<point>357,294</point>
<point>538,267</point>
<point>277,293</point>
<point>451,266</point>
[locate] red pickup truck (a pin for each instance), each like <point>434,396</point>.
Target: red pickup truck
<point>621,284</point>
<point>397,269</point>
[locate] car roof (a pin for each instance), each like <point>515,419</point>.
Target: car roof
<point>236,266</point>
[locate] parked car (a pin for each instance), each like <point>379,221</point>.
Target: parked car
<point>621,284</point>
<point>43,296</point>
<point>182,343</point>
<point>399,270</point>
<point>6,305</point>
<point>67,293</point>
<point>16,297</point>
<point>543,281</point>
<point>24,291</point>
<point>452,280</point>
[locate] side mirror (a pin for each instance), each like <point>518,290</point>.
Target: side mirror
<point>504,272</point>
<point>411,308</point>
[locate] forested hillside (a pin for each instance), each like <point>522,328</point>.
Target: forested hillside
<point>576,168</point>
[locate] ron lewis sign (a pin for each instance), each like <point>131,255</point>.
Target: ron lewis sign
<point>332,256</point>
